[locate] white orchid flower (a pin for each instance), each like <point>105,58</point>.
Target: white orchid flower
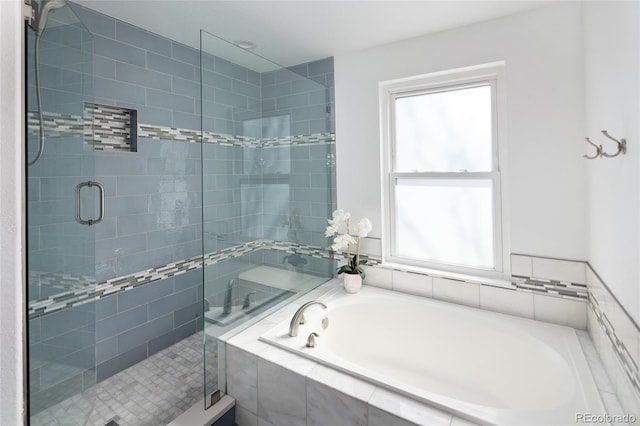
<point>363,228</point>
<point>341,216</point>
<point>342,241</point>
<point>332,229</point>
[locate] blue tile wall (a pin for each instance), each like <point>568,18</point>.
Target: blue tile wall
<point>97,23</point>
<point>143,71</point>
<point>154,197</point>
<point>231,95</point>
<point>138,323</point>
<point>303,92</point>
<point>153,202</point>
<point>62,355</point>
<point>298,212</point>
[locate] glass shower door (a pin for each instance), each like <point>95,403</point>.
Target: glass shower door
<point>267,190</point>
<point>63,204</point>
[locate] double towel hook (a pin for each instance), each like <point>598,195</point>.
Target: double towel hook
<point>622,147</point>
<point>598,150</point>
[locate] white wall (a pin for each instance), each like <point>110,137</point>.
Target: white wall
<point>11,208</point>
<point>612,89</point>
<point>546,173</point>
<point>547,181</point>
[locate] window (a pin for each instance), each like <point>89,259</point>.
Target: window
<point>442,193</point>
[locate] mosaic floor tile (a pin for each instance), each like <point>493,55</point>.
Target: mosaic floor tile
<point>150,393</point>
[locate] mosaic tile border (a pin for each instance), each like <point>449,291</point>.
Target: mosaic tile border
<point>55,124</point>
<point>107,131</point>
<point>562,289</point>
<point>168,133</point>
<point>315,138</point>
<point>79,294</point>
<point>82,295</point>
<point>187,135</point>
<point>628,362</point>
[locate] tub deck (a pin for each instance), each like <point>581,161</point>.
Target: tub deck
<point>303,387</point>
<point>485,366</point>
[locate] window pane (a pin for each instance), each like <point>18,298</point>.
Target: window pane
<point>445,220</point>
<point>445,131</point>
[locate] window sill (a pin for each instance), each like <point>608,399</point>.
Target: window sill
<point>477,279</point>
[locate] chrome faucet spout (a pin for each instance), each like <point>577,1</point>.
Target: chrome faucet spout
<point>298,316</point>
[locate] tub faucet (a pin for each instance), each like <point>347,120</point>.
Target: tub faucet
<point>226,310</point>
<point>298,318</point>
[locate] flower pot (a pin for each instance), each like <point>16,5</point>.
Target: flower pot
<point>352,282</point>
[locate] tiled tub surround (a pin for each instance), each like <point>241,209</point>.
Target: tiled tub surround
<point>305,388</point>
<point>489,367</point>
<point>617,339</point>
<point>558,291</point>
<point>539,294</point>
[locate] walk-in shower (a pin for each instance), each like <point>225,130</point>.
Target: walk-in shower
<point>212,173</point>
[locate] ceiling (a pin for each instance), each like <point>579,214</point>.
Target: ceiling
<point>294,32</point>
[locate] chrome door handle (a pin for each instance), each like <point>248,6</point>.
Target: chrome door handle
<point>79,218</point>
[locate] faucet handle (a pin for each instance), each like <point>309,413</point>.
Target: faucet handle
<point>311,340</point>
<point>247,300</point>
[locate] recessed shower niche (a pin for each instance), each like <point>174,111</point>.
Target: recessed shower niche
<point>113,128</point>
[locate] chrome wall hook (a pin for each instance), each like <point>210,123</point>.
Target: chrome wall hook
<point>622,146</point>
<point>598,150</point>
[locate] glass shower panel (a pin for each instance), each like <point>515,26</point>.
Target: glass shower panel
<point>61,261</point>
<point>268,188</point>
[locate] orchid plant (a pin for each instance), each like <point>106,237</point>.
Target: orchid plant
<point>339,228</point>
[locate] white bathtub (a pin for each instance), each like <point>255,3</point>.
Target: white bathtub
<point>487,367</point>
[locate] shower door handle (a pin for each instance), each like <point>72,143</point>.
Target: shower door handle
<point>79,218</point>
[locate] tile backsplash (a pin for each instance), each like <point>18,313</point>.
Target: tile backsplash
<point>616,337</point>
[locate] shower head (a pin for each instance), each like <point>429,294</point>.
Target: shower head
<point>45,8</point>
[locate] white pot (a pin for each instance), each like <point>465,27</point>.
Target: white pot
<point>352,282</point>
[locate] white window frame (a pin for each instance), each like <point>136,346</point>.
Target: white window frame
<point>389,91</point>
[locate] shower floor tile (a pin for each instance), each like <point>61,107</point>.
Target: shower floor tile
<point>150,393</point>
